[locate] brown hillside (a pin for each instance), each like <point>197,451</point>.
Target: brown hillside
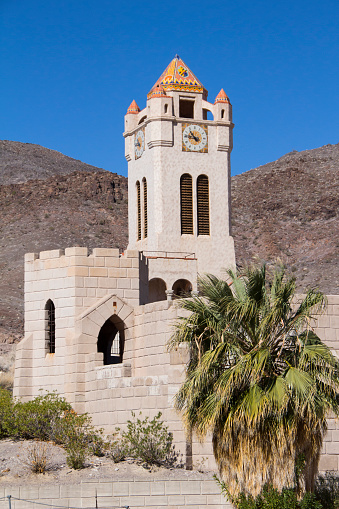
<point>20,162</point>
<point>289,209</point>
<point>285,209</point>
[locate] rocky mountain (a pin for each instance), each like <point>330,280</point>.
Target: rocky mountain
<point>289,209</point>
<point>286,209</point>
<point>20,162</point>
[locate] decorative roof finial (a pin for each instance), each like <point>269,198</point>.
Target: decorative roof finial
<point>177,56</point>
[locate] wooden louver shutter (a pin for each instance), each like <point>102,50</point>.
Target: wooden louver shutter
<point>186,201</point>
<point>145,206</point>
<point>203,207</point>
<point>138,212</point>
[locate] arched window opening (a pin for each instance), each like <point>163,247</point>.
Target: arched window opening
<point>142,120</point>
<point>50,326</point>
<point>166,108</point>
<point>144,183</point>
<point>138,211</point>
<point>111,340</point>
<point>186,204</point>
<point>207,114</point>
<point>181,288</point>
<point>222,113</point>
<point>156,290</point>
<point>203,207</point>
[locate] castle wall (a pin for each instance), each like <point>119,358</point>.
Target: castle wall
<point>74,281</point>
<point>89,289</point>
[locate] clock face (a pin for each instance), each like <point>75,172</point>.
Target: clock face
<point>139,143</point>
<point>194,138</point>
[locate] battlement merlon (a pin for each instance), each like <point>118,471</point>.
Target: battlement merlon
<point>81,257</point>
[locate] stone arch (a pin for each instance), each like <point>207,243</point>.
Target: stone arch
<point>207,114</point>
<point>84,356</point>
<point>181,288</point>
<point>111,340</point>
<point>156,290</point>
<point>89,323</point>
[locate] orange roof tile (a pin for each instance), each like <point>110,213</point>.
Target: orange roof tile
<point>222,97</point>
<point>178,77</point>
<point>133,108</point>
<point>157,91</point>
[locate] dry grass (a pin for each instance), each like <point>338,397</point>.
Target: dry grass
<point>37,457</point>
<point>7,370</point>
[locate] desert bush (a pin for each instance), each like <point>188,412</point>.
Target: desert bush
<point>271,498</point>
<point>98,445</point>
<point>50,417</point>
<point>37,458</point>
<point>77,434</point>
<point>117,449</point>
<point>7,370</point>
<point>6,414</point>
<point>149,441</point>
<point>41,418</point>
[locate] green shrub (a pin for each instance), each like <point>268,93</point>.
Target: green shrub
<point>149,441</point>
<point>271,498</point>
<point>327,490</point>
<point>117,450</point>
<point>51,418</point>
<point>77,434</point>
<point>40,418</point>
<point>6,414</point>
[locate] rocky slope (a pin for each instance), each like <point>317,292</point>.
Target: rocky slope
<point>286,209</point>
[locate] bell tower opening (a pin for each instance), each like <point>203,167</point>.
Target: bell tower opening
<point>186,108</point>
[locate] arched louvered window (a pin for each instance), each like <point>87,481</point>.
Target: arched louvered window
<point>138,211</point>
<point>186,204</point>
<point>203,206</point>
<point>50,326</point>
<point>144,183</point>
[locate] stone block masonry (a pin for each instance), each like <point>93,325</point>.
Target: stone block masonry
<point>134,493</point>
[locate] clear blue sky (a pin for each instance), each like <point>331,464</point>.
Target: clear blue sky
<point>70,68</point>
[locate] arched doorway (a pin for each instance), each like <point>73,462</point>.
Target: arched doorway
<point>156,290</point>
<point>181,288</point>
<point>111,340</point>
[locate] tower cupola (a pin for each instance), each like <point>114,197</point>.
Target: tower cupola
<point>133,108</point>
<point>157,91</point>
<point>222,97</point>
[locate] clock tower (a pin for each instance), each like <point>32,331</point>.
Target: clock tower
<point>178,151</point>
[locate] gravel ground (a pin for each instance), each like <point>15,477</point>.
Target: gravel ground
<point>15,469</point>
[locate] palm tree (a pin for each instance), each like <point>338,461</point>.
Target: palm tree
<point>258,377</point>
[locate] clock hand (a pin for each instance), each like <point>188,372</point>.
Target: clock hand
<point>191,135</point>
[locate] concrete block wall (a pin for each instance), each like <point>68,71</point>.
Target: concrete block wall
<point>327,328</point>
<point>146,381</point>
<point>134,493</point>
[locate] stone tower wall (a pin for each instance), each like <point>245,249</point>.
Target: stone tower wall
<point>74,281</point>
